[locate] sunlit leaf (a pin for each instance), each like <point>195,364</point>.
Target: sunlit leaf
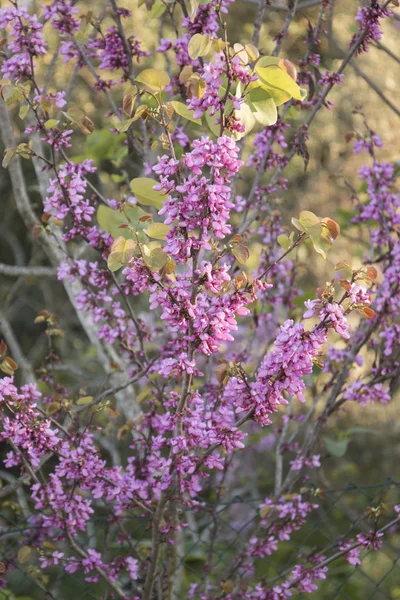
<point>154,80</point>
<point>262,106</point>
<point>252,52</point>
<point>284,241</point>
<point>246,118</point>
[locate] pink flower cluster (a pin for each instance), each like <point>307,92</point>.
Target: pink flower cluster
<point>199,203</point>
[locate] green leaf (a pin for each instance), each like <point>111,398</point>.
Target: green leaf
<point>110,219</point>
<point>267,61</point>
<point>158,230</point>
<point>337,448</point>
<point>211,122</point>
<point>199,45</point>
<point>123,126</point>
<point>311,224</point>
<point>182,110</point>
<point>263,106</point>
<point>303,93</point>
<point>142,187</point>
<point>154,80</point>
<point>156,10</point>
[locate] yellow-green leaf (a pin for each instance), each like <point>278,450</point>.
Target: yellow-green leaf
<point>142,187</point>
<point>23,111</point>
<point>154,257</point>
<point>122,251</point>
<point>158,230</point>
<point>51,123</point>
<point>252,52</point>
<point>154,80</point>
<point>199,45</point>
<point>157,10</point>
<point>283,241</point>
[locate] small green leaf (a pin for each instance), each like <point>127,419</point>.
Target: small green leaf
<point>51,123</point>
<point>284,241</point>
<point>75,115</point>
<point>182,110</point>
<point>337,448</point>
<point>158,230</point>
<point>154,80</point>
<point>84,400</point>
<point>142,187</point>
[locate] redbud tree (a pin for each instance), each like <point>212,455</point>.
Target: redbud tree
<point>183,274</point>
